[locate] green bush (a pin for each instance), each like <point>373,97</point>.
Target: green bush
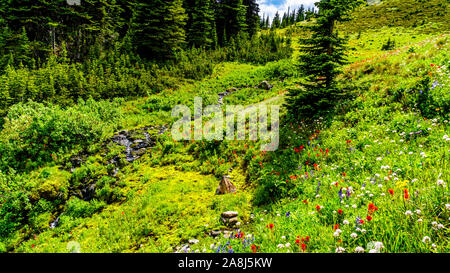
<point>80,208</point>
<point>35,133</point>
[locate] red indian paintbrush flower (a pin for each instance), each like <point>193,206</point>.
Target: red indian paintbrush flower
<point>303,247</point>
<point>406,194</point>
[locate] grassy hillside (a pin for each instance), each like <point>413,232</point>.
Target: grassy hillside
<point>431,16</point>
<point>372,177</point>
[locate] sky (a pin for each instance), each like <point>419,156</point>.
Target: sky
<point>270,7</point>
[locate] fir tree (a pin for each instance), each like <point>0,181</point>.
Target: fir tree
<point>300,14</point>
<point>201,32</point>
<point>322,55</point>
<point>276,21</point>
<point>159,28</point>
<point>251,16</point>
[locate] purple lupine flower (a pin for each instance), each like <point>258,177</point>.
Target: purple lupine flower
<point>288,213</point>
<point>358,222</point>
<point>340,194</point>
<point>435,83</point>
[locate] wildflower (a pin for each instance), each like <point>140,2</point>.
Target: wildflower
<point>417,211</point>
<point>270,226</point>
<point>408,212</point>
<point>303,246</point>
<point>336,227</point>
<point>369,218</point>
<point>379,246</point>
<point>280,246</point>
<point>406,194</point>
<point>297,241</point>
<point>426,239</point>
<point>372,208</point>
<point>340,250</point>
<point>318,208</point>
<point>345,222</point>
<point>340,211</point>
<point>391,192</point>
<point>447,206</point>
<point>287,245</point>
<point>253,248</point>
<point>359,249</point>
<point>419,220</point>
<point>353,235</point>
<point>441,182</point>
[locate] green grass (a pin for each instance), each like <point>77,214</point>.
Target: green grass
<point>165,198</point>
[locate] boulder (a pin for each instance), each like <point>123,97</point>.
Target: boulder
<point>265,85</point>
<point>225,186</point>
<point>231,90</point>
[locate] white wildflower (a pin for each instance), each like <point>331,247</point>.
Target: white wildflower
<point>340,250</point>
<point>359,249</point>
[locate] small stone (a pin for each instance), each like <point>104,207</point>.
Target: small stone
<point>193,241</point>
<point>229,214</point>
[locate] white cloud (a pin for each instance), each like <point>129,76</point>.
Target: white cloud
<point>270,7</point>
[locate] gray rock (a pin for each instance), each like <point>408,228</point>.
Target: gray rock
<point>215,233</point>
<point>229,214</point>
<point>193,241</point>
<point>265,85</point>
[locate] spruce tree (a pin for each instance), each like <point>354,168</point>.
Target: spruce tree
<point>158,28</point>
<point>230,19</point>
<point>322,55</point>
<point>300,14</point>
<point>276,21</point>
<point>251,16</point>
<point>201,32</point>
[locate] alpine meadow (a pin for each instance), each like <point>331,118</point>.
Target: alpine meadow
<point>330,126</point>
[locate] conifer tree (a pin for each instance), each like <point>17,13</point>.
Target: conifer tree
<point>322,55</point>
<point>300,14</point>
<point>276,21</point>
<point>201,32</point>
<point>159,28</point>
<point>251,16</point>
<point>230,19</point>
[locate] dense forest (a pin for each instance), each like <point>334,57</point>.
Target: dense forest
<point>88,162</point>
<point>103,49</point>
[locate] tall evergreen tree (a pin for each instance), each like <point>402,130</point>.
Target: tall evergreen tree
<point>322,55</point>
<point>158,28</point>
<point>230,19</point>
<point>276,21</point>
<point>300,14</point>
<point>251,16</point>
<point>201,29</point>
